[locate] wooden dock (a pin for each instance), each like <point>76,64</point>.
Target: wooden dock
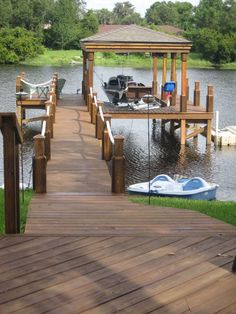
<point>86,250</point>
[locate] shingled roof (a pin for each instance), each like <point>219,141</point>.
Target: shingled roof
<point>135,33</point>
<point>135,38</point>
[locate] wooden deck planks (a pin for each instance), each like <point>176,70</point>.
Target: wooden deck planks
<point>88,251</point>
<point>127,275</point>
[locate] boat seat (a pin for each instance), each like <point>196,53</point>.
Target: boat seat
<point>193,184</point>
<point>162,177</point>
<point>60,84</point>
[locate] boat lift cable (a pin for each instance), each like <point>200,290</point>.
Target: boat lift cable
<point>149,161</point>
<point>100,79</point>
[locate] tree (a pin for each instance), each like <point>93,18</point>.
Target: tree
<point>104,16</point>
<point>122,10</point>
<point>185,12</point>
<point>162,13</point>
<point>64,24</point>
<point>209,14</point>
<point>214,46</point>
<point>16,44</point>
<point>5,13</point>
<point>89,24</point>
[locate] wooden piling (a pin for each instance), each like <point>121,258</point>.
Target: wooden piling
<point>209,99</point>
<point>18,84</point>
<point>47,142</point>
<point>93,113</point>
<point>183,132</point>
<point>99,123</point>
<point>196,95</point>
<point>118,166</point>
<point>106,143</point>
<point>39,165</point>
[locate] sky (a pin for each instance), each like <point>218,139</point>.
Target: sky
<point>140,5</point>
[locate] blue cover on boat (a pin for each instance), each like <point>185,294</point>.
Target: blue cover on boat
<point>169,87</point>
<point>193,184</point>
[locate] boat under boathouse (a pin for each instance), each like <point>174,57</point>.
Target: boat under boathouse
<point>136,39</point>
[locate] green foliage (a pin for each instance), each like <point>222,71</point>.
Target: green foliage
<point>104,16</point>
<point>214,46</point>
<point>23,209</point>
<point>162,13</point>
<point>225,211</point>
<point>5,13</point>
<point>16,44</point>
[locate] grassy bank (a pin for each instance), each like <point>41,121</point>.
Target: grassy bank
<point>225,211</point>
<point>23,212</point>
<point>71,57</point>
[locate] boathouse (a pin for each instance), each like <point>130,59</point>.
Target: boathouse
<point>161,46</point>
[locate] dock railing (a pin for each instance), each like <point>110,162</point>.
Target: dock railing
<point>12,138</point>
<point>112,146</point>
<point>42,153</point>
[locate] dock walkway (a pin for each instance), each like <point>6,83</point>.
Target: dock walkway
<point>88,251</point>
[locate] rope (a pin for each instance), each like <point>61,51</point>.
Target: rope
<point>101,113</point>
<point>109,132</point>
<point>37,85</point>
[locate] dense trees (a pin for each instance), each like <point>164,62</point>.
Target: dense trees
<point>60,24</point>
<point>213,30</point>
<point>17,43</point>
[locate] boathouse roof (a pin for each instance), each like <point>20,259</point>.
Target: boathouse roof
<point>137,39</point>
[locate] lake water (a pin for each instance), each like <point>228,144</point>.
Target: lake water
<point>166,154</point>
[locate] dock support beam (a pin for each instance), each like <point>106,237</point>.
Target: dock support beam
<point>183,132</point>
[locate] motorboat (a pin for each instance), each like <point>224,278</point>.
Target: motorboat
<point>146,102</point>
<point>194,188</point>
<point>117,86</point>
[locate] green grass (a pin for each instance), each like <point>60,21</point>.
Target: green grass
<point>56,58</point>
<point>23,209</point>
<point>225,211</point>
<point>66,57</point>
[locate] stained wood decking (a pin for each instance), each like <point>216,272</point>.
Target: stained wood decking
<point>88,251</point>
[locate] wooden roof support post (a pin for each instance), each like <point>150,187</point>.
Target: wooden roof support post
<point>173,77</point>
<point>164,72</point>
<point>85,74</point>
<point>183,97</point>
<point>84,71</point>
<point>90,75</point>
<point>154,82</point>
<point>118,166</point>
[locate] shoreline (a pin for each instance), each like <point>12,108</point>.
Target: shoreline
<point>61,58</point>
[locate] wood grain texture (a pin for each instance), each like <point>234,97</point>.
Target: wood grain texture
<point>88,251</point>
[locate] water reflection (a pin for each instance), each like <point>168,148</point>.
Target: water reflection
<point>167,155</point>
